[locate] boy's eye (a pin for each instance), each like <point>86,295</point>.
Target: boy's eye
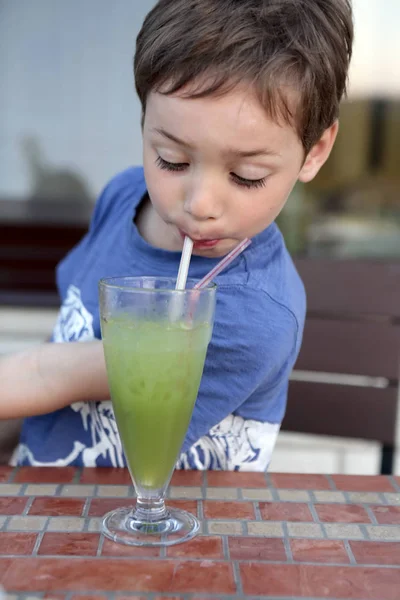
<point>248,183</point>
<point>169,166</point>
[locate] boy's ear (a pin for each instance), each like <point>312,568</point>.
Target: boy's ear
<point>319,153</point>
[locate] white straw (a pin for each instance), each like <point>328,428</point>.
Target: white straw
<point>184,264</point>
<point>222,264</point>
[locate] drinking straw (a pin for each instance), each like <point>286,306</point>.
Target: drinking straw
<point>184,264</point>
<point>222,264</point>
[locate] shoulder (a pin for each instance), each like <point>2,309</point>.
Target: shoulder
<point>272,274</point>
<point>124,189</point>
<point>251,320</point>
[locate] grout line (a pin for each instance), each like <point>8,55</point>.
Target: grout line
<point>272,488</point>
<point>6,522</point>
<point>350,552</point>
<point>237,578</point>
<point>77,476</point>
<point>286,542</point>
<point>12,475</point>
<point>370,513</point>
<point>364,531</point>
<point>394,483</point>
<point>100,545</point>
<point>225,547</point>
<point>257,512</point>
<point>28,506</point>
<point>332,483</point>
<point>39,539</point>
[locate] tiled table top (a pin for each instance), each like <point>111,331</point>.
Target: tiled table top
<point>263,536</point>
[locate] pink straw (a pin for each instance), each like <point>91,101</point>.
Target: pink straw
<point>222,264</point>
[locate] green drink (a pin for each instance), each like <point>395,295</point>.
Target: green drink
<point>154,370</point>
<point>155,341</point>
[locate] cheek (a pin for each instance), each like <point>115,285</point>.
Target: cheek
<point>161,187</point>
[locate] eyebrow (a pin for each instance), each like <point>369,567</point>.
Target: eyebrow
<point>231,151</point>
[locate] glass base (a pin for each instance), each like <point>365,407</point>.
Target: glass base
<point>121,525</point>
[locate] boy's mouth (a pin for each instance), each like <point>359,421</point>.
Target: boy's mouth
<point>201,243</point>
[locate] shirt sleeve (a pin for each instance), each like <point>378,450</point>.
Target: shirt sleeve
<point>66,268</point>
<point>254,345</point>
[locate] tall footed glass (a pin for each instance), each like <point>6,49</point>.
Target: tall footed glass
<point>155,341</point>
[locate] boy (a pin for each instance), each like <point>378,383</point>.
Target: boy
<point>240,100</point>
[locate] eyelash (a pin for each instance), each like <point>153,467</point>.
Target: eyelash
<point>240,181</point>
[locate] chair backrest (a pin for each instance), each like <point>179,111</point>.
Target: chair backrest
<point>346,378</point>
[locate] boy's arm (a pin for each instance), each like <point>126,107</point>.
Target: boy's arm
<point>51,376</point>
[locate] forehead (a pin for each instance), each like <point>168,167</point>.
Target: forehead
<point>236,116</point>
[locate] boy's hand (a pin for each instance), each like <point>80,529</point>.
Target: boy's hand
<point>51,376</point>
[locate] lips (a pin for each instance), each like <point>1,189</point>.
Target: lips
<point>203,243</point>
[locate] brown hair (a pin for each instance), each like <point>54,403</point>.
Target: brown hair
<point>274,45</point>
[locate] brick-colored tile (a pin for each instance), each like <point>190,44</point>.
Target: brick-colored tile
<point>100,506</point>
<point>188,505</point>
<point>112,549</point>
<point>187,478</point>
<point>285,511</point>
<point>299,481</point>
<point>323,551</point>
<point>363,483</point>
<point>57,507</point>
<point>358,583</point>
<point>105,476</point>
<point>236,479</point>
<point>5,473</point>
<point>252,548</point>
<point>26,523</point>
<point>344,531</point>
<point>69,544</point>
<point>228,510</point>
<point>16,543</point>
<point>200,547</point>
<point>342,513</point>
<point>386,515</point>
<point>265,528</point>
<point>44,575</point>
<point>225,528</point>
<point>376,553</point>
<point>45,475</point>
<point>12,506</point>
<point>309,530</point>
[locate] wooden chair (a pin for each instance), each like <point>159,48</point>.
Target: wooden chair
<point>352,329</point>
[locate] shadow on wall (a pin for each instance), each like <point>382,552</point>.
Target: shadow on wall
<point>50,183</point>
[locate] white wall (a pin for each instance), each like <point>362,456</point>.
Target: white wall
<point>66,77</point>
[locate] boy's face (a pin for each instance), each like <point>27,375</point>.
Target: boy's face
<point>218,169</point>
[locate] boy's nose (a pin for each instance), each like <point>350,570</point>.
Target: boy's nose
<point>202,205</point>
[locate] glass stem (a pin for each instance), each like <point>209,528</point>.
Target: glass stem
<point>150,510</point>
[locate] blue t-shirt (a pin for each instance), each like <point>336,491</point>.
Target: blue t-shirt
<point>256,338</point>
